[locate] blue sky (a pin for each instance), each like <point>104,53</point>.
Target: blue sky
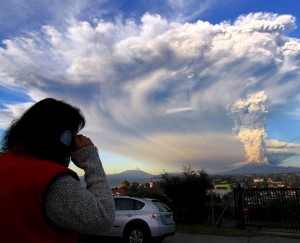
<point>163,84</point>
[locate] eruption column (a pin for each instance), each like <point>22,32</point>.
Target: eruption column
<point>250,116</point>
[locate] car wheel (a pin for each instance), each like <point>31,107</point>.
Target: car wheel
<point>136,234</point>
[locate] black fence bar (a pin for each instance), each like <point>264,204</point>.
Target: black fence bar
<point>268,208</point>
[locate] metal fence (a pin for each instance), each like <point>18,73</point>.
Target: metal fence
<point>268,208</point>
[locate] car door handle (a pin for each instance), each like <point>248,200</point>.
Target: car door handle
<point>129,215</point>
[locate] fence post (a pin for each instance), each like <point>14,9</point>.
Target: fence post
<point>239,206</point>
<point>212,207</point>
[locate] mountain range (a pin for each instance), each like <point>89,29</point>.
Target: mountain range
<point>262,168</point>
<point>137,175</point>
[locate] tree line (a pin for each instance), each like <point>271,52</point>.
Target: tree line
<point>186,194</point>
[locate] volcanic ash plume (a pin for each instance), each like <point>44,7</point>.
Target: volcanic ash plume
<point>250,116</point>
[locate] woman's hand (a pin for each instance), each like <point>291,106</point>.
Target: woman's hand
<point>82,141</point>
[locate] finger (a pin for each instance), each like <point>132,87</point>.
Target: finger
<point>83,141</point>
<point>88,141</point>
<point>77,139</point>
<point>81,138</point>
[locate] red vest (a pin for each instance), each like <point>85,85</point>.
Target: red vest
<point>23,183</point>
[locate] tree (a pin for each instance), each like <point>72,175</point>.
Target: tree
<point>187,194</point>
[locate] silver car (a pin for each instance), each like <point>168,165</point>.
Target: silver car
<point>139,220</point>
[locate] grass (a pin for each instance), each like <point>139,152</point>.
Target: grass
<point>213,230</point>
<point>206,229</point>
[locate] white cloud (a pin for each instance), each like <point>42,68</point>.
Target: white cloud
<point>126,75</point>
<point>11,112</point>
<point>188,10</point>
<point>282,152</point>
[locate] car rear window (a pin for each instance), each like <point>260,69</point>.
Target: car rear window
<point>161,206</point>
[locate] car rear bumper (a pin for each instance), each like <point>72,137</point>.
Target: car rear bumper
<point>166,230</point>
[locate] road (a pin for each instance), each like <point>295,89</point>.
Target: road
<point>200,238</point>
<point>197,238</point>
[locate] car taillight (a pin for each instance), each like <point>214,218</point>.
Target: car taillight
<point>154,216</point>
<point>164,218</point>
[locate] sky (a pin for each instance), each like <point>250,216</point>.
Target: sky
<point>163,84</point>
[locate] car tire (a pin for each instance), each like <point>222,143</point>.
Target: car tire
<point>136,234</point>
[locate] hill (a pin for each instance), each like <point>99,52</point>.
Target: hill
<point>132,175</point>
<point>262,168</point>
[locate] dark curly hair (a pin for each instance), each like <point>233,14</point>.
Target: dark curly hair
<point>39,129</point>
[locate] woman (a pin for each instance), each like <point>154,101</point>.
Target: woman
<point>42,200</point>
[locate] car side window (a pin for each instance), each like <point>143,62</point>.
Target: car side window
<point>128,204</point>
<point>124,204</point>
<point>139,205</point>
